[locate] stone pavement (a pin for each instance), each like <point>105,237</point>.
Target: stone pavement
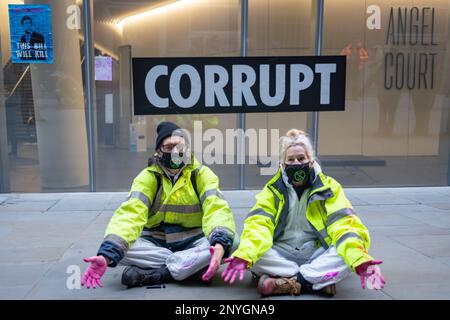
<point>43,235</point>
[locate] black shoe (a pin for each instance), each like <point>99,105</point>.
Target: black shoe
<point>136,277</point>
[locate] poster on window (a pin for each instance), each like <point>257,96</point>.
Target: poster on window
<point>103,68</point>
<point>31,33</point>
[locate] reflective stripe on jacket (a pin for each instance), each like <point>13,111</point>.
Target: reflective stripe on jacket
<point>175,214</point>
<point>329,212</point>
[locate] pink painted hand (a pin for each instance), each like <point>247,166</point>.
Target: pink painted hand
<point>217,253</point>
<point>94,272</point>
<point>236,266</point>
<point>370,275</point>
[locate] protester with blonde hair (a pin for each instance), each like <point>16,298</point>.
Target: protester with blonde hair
<point>302,235</point>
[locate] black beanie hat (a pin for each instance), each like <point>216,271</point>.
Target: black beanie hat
<point>164,130</point>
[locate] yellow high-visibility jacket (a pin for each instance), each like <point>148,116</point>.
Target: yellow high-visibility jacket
<point>174,216</point>
<point>328,211</point>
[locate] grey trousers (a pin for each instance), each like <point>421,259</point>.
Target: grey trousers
<point>181,264</point>
<point>323,268</point>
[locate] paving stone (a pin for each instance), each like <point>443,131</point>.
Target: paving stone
<point>14,292</point>
<point>429,245</point>
<point>38,196</point>
<point>31,254</point>
<point>18,205</point>
<point>115,201</point>
<point>23,275</point>
<point>439,205</point>
<point>422,196</point>
<point>409,230</point>
<point>432,217</point>
<point>385,215</point>
<point>444,260</point>
<point>49,217</point>
<point>438,290</point>
<point>378,196</point>
<point>385,198</point>
<point>355,200</point>
<point>43,229</point>
<point>3,199</point>
<point>403,265</point>
<point>82,202</point>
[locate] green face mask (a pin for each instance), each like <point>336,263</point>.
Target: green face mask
<point>172,161</point>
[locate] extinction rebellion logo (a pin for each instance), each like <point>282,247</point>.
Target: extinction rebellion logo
<point>299,176</point>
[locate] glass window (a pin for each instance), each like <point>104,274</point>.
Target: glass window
<point>394,131</point>
<point>44,105</point>
<point>123,30</point>
<point>276,28</point>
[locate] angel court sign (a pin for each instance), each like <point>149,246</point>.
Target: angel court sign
<point>237,84</point>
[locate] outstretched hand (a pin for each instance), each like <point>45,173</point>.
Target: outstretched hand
<point>236,266</point>
<point>217,253</point>
<point>370,275</point>
<point>94,272</point>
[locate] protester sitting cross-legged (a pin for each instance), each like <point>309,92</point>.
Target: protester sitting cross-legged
<point>302,235</point>
<point>174,225</point>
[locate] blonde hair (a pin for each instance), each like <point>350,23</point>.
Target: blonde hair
<point>295,137</point>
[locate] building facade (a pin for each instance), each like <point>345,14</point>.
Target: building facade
<point>69,125</point>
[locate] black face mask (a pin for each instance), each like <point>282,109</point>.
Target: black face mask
<point>172,160</point>
<point>299,173</point>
